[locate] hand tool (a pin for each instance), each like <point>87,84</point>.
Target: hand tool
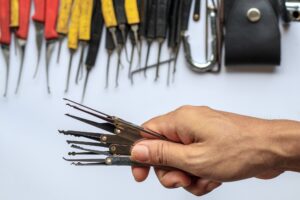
<point>85,22</point>
<point>14,19</point>
<point>119,51</point>
<point>197,10</point>
<point>133,44</point>
<point>5,36</point>
<point>73,35</point>
<point>63,23</point>
<point>117,144</point>
<point>22,34</point>
<point>39,21</point>
<point>119,8</point>
<point>151,28</point>
<point>94,43</point>
<point>133,19</point>
<point>161,28</point>
<point>110,47</point>
<point>50,33</point>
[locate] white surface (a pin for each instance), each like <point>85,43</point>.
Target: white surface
<point>31,166</point>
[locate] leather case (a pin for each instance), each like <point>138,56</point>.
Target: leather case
<point>248,42</point>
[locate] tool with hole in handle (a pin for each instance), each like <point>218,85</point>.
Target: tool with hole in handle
<point>84,33</point>
<point>73,37</point>
<point>22,34</point>
<point>5,36</point>
<point>39,21</point>
<point>14,19</point>
<point>63,23</point>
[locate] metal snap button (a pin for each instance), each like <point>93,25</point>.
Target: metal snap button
<point>254,15</point>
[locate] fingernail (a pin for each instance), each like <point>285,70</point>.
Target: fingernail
<point>212,186</point>
<point>140,153</point>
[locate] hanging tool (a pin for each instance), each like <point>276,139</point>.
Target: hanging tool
<point>197,10</point>
<point>110,47</point>
<point>73,35</point>
<point>39,21</point>
<point>143,12</point>
<point>85,22</point>
<point>119,8</point>
<point>63,22</point>
<point>133,45</point>
<point>14,19</point>
<point>151,29</point>
<point>5,36</point>
<point>116,144</point>
<point>133,19</point>
<point>22,34</point>
<point>50,33</point>
<point>94,43</point>
<point>119,51</point>
<point>162,14</point>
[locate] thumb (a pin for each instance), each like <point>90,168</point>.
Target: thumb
<point>161,153</point>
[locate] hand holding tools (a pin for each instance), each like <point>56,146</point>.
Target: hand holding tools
<point>50,33</point>
<point>5,36</point>
<point>22,34</point>
<point>39,21</point>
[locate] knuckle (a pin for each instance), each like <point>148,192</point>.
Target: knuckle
<point>205,109</point>
<point>159,154</point>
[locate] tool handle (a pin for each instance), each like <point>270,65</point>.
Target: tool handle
<point>132,12</point>
<point>39,10</point>
<point>186,10</point>
<point>118,149</point>
<point>50,19</point>
<point>109,43</point>
<point>197,8</point>
<point>142,6</point>
<point>64,16</point>
<point>5,37</point>
<point>96,34</point>
<point>86,12</point>
<point>173,23</point>
<point>109,13</point>
<point>24,19</point>
<point>162,18</point>
<point>119,6</point>
<point>151,25</point>
<point>14,13</point>
<point>73,33</point>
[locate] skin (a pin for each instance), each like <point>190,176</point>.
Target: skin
<point>207,147</point>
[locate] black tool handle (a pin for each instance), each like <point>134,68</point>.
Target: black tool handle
<point>119,36</point>
<point>162,18</point>
<point>123,150</point>
<point>197,8</point>
<point>96,34</point>
<point>143,11</point>
<point>173,23</point>
<point>114,139</point>
<point>109,43</point>
<point>186,10</point>
<point>120,11</point>
<point>151,22</point>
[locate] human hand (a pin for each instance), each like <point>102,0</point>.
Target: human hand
<point>214,146</point>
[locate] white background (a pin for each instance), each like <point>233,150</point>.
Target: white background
<point>31,150</point>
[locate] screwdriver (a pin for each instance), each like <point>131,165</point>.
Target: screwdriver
<point>50,33</point>
<point>39,20</point>
<point>63,22</point>
<point>133,19</point>
<point>110,47</point>
<point>161,28</point>
<point>14,18</point>
<point>94,43</point>
<point>119,7</point>
<point>22,34</point>
<point>84,32</point>
<point>5,36</point>
<point>73,35</point>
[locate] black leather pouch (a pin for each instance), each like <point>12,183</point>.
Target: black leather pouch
<point>252,34</point>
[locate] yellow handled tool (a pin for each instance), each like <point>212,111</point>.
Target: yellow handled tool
<point>14,17</point>
<point>132,12</point>
<point>109,15</point>
<point>85,20</point>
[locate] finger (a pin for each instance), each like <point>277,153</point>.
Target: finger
<point>172,179</point>
<point>162,153</point>
<point>269,174</point>
<point>200,187</point>
<point>140,174</point>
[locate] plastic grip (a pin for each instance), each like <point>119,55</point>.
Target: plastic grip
<point>14,13</point>
<point>39,10</point>
<point>109,43</point>
<point>64,16</point>
<point>50,19</point>
<point>74,25</point>
<point>109,13</point>
<point>85,20</point>
<point>161,18</point>
<point>96,34</point>
<point>24,19</point>
<point>186,10</point>
<point>5,37</point>
<point>151,26</point>
<point>119,6</point>
<point>132,12</point>
<point>173,23</point>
